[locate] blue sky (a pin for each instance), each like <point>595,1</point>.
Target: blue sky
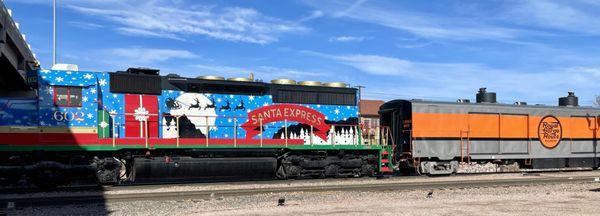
<point>532,51</point>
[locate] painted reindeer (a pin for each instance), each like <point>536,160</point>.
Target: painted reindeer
<point>240,106</point>
<point>226,107</point>
<point>211,105</point>
<point>197,105</point>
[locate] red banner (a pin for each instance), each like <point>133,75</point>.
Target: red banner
<point>289,112</point>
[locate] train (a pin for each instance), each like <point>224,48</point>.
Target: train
<point>432,137</point>
<point>64,125</point>
<point>136,125</point>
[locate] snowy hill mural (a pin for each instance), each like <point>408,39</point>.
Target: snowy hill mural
<point>218,115</point>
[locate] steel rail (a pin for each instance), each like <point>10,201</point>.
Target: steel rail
<point>100,197</point>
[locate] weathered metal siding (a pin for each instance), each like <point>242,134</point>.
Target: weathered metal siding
<point>510,144</point>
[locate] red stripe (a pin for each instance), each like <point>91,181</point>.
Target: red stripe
<point>48,138</point>
<point>51,139</point>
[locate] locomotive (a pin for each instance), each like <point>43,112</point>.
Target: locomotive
<point>444,137</point>
<point>136,125</point>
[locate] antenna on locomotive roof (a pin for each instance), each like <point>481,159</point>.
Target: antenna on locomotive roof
<point>53,32</point>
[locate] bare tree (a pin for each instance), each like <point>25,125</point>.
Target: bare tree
<point>597,101</point>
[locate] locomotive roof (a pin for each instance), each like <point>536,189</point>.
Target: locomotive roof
<point>540,106</point>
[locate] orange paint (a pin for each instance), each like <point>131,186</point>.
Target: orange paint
<point>502,126</point>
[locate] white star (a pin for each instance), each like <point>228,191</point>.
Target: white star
<point>87,76</point>
<point>113,112</point>
<point>251,97</point>
<point>49,90</point>
<point>59,79</point>
<point>115,95</point>
<point>93,91</point>
<point>219,100</point>
<point>84,98</point>
<point>103,124</point>
<point>266,104</point>
<point>90,116</point>
<point>102,82</point>
<point>336,111</point>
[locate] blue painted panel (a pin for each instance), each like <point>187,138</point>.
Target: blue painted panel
<point>53,115</point>
<point>18,112</point>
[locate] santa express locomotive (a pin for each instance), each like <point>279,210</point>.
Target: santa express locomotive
<point>136,125</point>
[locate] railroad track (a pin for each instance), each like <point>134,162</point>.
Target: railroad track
<point>100,197</point>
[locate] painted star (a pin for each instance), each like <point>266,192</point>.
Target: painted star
<point>59,79</point>
<point>102,82</point>
<point>93,91</point>
<point>87,76</point>
<point>84,98</point>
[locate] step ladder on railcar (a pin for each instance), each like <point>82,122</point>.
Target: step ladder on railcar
<point>465,146</point>
<point>385,154</point>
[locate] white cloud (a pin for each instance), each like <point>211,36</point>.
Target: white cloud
<point>260,72</point>
<point>348,39</point>
<point>313,15</point>
<point>181,21</point>
<point>86,25</point>
<point>148,55</point>
<point>401,78</point>
<point>421,24</point>
<point>572,16</point>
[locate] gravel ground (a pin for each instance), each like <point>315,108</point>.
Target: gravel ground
<point>551,199</point>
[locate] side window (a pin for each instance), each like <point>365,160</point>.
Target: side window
<point>67,96</point>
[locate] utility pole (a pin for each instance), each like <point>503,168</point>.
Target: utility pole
<point>53,32</point>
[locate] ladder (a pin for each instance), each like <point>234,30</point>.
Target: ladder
<point>465,145</point>
<point>385,154</point>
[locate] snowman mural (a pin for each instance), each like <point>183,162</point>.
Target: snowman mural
<point>196,114</point>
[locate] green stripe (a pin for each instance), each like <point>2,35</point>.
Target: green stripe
<point>119,147</point>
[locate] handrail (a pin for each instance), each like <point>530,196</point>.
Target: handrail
<point>352,134</point>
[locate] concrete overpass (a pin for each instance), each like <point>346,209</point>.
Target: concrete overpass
<point>16,57</point>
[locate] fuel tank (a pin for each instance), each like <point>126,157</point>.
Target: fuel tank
<point>188,168</point>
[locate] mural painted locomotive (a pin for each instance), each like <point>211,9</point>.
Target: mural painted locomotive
<point>136,125</point>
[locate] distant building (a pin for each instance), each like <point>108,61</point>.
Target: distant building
<point>369,119</point>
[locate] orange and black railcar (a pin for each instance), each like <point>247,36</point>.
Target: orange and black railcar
<point>442,137</point>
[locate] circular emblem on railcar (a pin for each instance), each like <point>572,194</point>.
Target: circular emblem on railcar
<point>550,131</point>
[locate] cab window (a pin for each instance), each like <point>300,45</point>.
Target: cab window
<point>67,96</point>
